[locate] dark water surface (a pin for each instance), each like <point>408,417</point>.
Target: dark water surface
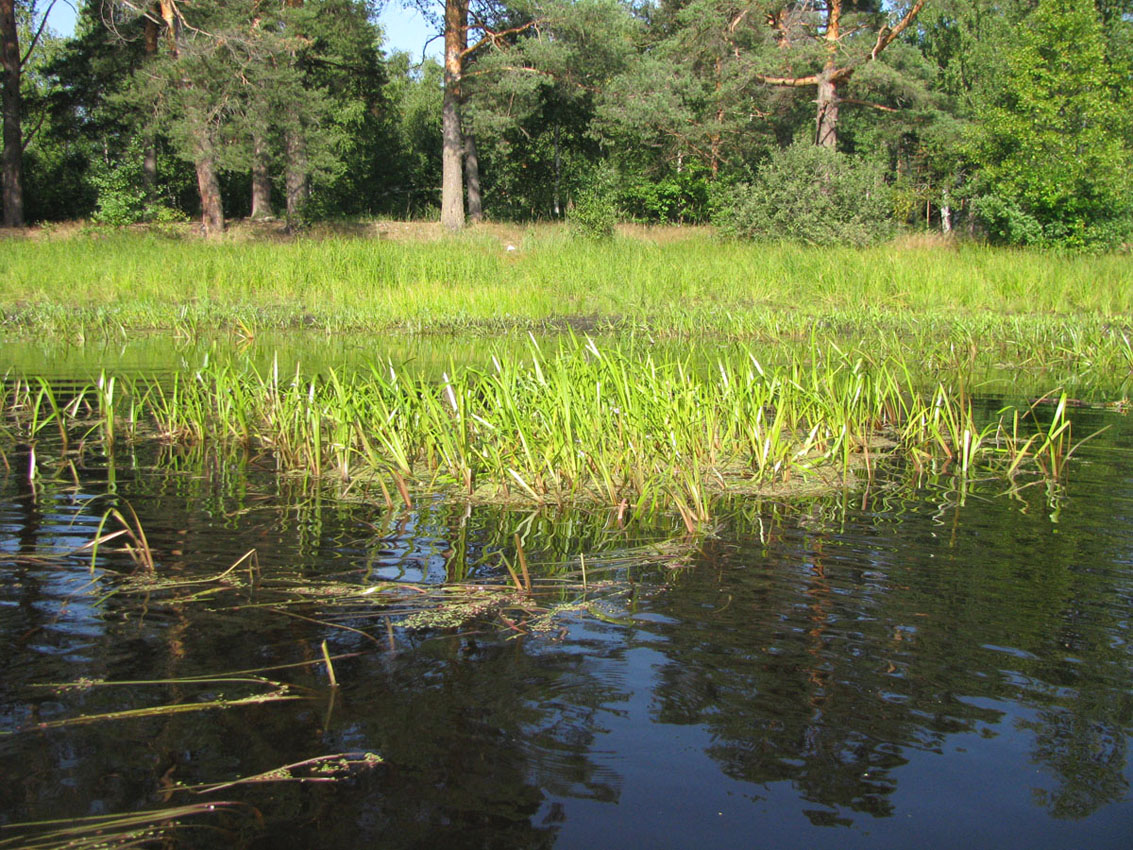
<point>921,666</point>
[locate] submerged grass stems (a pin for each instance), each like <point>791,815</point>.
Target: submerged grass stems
<point>148,828</point>
<point>164,710</point>
<point>580,425</point>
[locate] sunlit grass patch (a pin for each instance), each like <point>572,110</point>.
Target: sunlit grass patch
<point>104,282</point>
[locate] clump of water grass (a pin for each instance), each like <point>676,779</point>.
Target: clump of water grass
<point>581,425</point>
<point>280,695</point>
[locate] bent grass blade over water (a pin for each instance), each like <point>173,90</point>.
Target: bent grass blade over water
<point>154,827</point>
<point>319,769</point>
<point>281,694</point>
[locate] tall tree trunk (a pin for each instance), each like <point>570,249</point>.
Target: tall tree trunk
<point>261,179</point>
<point>555,199</point>
<point>826,122</point>
<point>452,194</point>
<point>149,155</point>
<point>208,185</point>
<point>13,156</point>
<point>714,140</point>
<point>149,170</point>
<point>296,179</point>
<point>472,179</point>
<point>452,147</point>
<point>212,210</point>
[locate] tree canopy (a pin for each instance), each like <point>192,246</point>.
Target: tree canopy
<point>1000,119</point>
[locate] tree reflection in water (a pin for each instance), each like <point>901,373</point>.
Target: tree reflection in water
<point>921,647</point>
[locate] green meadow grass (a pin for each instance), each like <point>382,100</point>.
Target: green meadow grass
<point>114,281</point>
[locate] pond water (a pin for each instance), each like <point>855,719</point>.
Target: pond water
<point>922,664</point>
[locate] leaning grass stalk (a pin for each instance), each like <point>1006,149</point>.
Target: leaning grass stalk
<point>160,711</point>
<point>687,516</point>
<point>330,768</point>
<point>138,535</point>
<point>402,488</point>
<point>99,832</point>
<point>523,563</point>
<point>385,493</point>
<point>250,558</point>
<point>237,677</point>
<point>246,676</point>
<point>98,540</point>
<point>329,625</point>
<point>330,666</point>
<point>514,578</point>
<point>526,487</point>
<point>56,414</point>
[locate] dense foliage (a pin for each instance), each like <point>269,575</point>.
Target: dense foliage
<point>1006,120</point>
<point>1053,163</point>
<point>812,194</point>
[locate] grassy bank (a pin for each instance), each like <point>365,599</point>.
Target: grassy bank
<point>113,281</point>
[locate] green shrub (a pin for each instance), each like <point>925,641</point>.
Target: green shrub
<point>593,216</point>
<point>594,211</point>
<point>121,195</point>
<point>806,193</point>
<point>122,198</point>
<point>1004,222</point>
<point>678,196</point>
